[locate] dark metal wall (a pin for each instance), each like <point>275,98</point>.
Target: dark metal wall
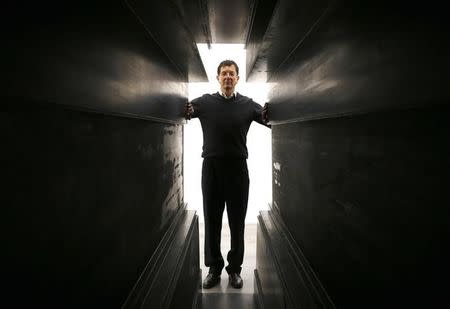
<point>91,129</point>
<point>365,198</point>
<point>360,155</point>
<point>177,26</point>
<point>359,58</point>
<point>88,197</point>
<point>98,56</point>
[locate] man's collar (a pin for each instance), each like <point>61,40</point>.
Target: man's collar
<point>225,96</point>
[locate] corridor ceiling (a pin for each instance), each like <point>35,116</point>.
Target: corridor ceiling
<point>191,22</point>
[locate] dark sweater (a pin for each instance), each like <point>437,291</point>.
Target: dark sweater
<point>225,123</point>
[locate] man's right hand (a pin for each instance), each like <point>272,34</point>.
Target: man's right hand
<point>188,111</point>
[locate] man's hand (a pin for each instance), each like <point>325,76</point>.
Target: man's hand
<point>188,111</point>
<point>265,113</point>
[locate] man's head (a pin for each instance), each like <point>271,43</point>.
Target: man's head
<point>228,76</point>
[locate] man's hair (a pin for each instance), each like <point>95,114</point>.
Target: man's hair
<point>227,63</point>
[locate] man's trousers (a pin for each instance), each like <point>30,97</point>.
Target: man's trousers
<point>224,180</point>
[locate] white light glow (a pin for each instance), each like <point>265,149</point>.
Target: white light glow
<point>259,139</point>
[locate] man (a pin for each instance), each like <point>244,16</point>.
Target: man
<point>225,118</point>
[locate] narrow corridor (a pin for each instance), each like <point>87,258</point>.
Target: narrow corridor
<point>95,196</point>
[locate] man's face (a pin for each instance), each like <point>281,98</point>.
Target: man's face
<point>228,78</point>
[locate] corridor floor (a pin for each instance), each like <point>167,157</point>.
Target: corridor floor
<point>223,295</point>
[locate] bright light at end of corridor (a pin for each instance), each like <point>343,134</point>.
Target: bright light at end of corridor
<point>259,138</point>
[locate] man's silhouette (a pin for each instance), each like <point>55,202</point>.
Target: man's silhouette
<point>225,118</point>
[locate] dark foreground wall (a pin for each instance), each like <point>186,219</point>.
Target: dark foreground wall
<point>365,198</point>
<point>87,198</point>
<point>91,130</point>
<point>360,157</point>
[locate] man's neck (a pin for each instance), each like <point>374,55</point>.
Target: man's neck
<point>227,94</point>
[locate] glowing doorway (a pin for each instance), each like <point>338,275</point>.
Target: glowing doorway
<point>259,139</point>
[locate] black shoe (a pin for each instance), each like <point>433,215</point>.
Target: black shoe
<point>210,281</point>
<point>236,281</point>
